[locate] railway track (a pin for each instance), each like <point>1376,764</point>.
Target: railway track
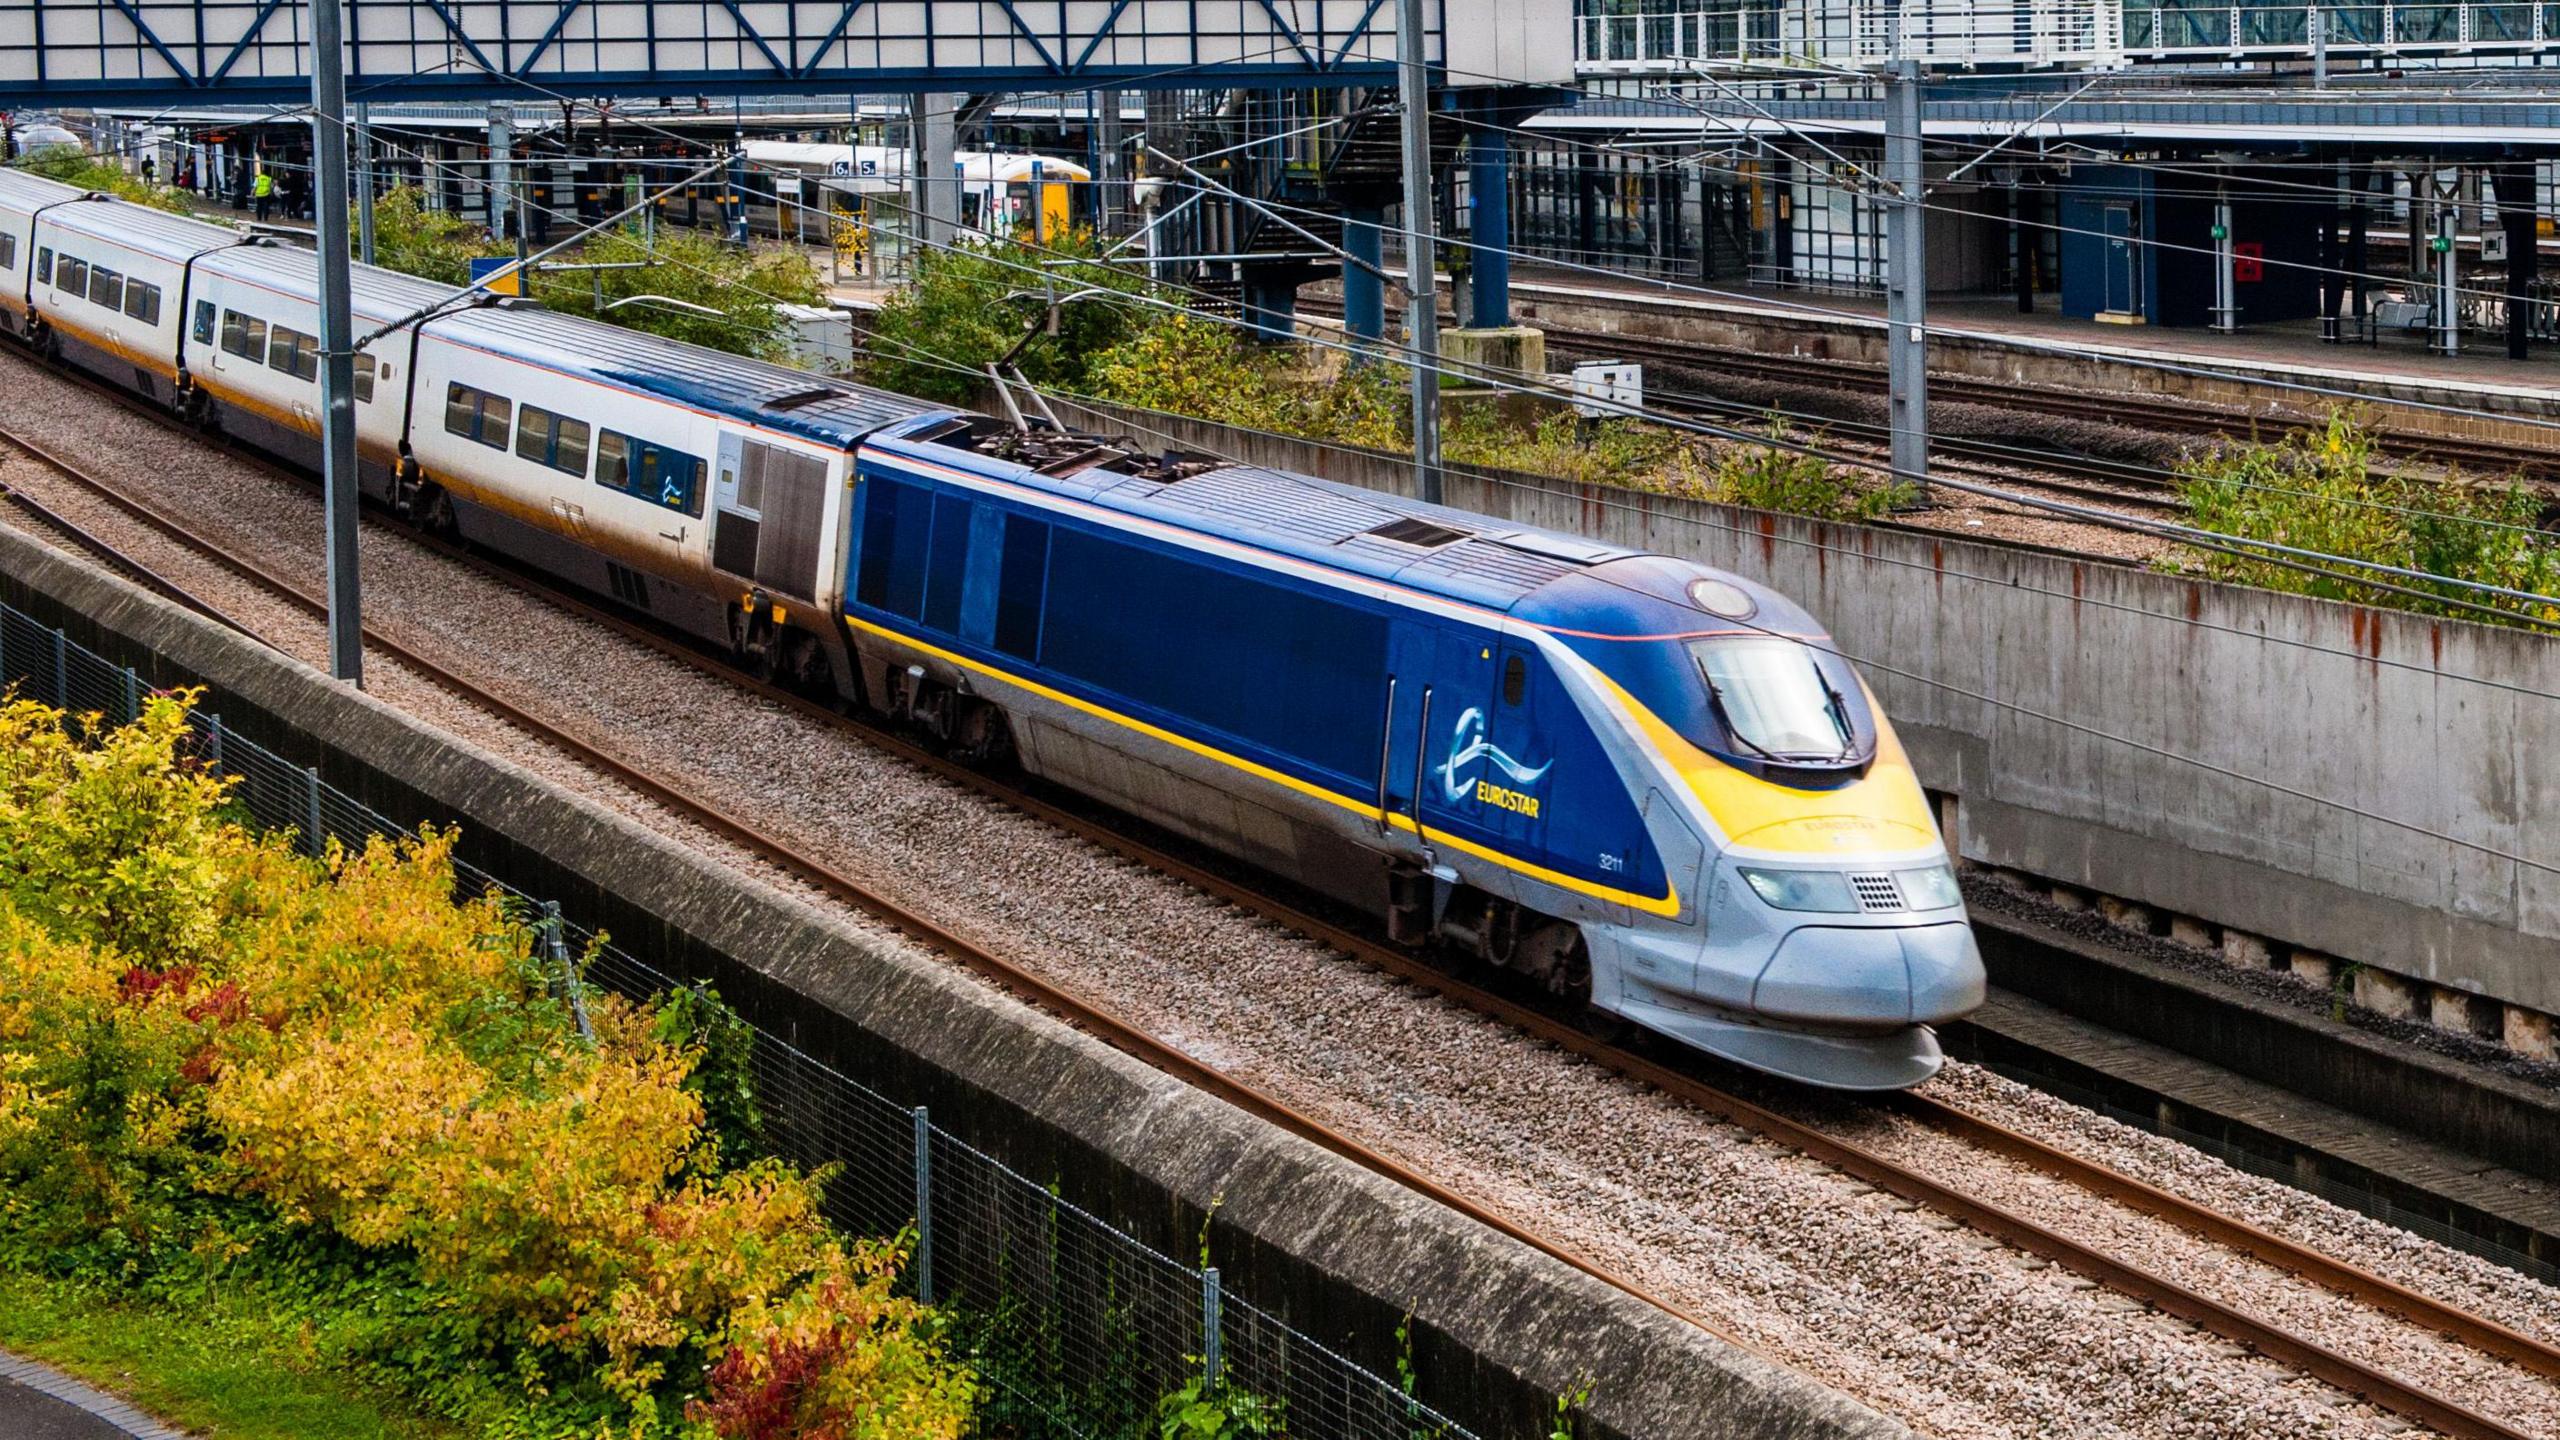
<point>2173,417</point>
<point>2401,1395</point>
<point>2082,476</point>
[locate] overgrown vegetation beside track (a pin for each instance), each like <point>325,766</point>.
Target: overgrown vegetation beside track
<point>2316,489</point>
<point>236,1083</point>
<point>969,308</point>
<point>675,274</point>
<point>72,165</point>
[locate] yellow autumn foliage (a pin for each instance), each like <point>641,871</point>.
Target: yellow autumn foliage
<point>202,1032</point>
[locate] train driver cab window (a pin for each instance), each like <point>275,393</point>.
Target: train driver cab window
<point>477,415</point>
<point>1780,702</point>
<point>204,322</point>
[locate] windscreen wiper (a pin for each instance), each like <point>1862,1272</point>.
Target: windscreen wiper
<point>1838,707</point>
<point>1724,717</point>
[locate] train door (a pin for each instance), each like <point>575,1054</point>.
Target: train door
<point>1436,689</point>
<point>1495,767</point>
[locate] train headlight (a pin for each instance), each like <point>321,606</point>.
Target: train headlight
<point>1824,890</point>
<point>1933,888</point>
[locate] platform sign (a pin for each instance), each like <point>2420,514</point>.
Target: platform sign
<point>510,284</point>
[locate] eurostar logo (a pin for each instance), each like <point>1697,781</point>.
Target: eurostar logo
<point>1467,745</point>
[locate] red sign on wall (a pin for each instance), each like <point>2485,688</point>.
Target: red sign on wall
<point>2248,261</point>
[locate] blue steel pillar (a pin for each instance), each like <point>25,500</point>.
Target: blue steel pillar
<point>1489,219</point>
<point>1364,300</point>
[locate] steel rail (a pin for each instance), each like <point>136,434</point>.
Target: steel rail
<point>1827,373</point>
<point>2403,1397</point>
<point>140,573</point>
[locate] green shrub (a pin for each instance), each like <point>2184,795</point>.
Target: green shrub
<point>224,1063</point>
<point>1779,477</point>
<point>74,166</point>
<point>2314,489</point>
<point>969,306</point>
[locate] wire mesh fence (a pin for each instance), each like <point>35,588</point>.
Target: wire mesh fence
<point>1077,1327</point>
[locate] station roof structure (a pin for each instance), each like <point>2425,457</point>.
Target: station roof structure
<point>254,51</point>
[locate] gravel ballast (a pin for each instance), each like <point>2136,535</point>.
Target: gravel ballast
<point>1897,1306</point>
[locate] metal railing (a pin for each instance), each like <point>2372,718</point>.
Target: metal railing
<point>1077,1327</point>
<point>1612,37</point>
<point>2223,31</point>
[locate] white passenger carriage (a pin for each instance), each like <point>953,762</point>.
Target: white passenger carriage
<point>693,485</point>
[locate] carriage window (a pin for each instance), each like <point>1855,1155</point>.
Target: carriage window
<point>72,276</point>
<point>553,440</point>
<point>244,336</point>
<point>142,302</point>
<point>1515,679</point>
<point>659,474</point>
<point>613,462</point>
<point>106,287</point>
<point>477,415</point>
<point>294,353</point>
<point>44,263</point>
<point>364,378</point>
<point>8,252</point>
<point>204,322</point>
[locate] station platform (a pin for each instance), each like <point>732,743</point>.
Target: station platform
<point>2281,368</point>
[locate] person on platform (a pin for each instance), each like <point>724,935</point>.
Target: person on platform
<point>150,173</point>
<point>262,189</point>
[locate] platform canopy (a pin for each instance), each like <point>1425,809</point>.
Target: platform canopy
<point>177,51</point>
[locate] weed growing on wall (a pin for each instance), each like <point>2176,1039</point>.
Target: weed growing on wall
<point>226,1065</point>
<point>2316,489</point>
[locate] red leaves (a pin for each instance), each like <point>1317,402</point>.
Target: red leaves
<point>749,1401</point>
<point>139,986</point>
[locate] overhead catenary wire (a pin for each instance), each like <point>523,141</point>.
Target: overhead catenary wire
<point>2264,550</point>
<point>2290,558</point>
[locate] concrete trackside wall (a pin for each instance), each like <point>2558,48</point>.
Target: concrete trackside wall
<point>2207,749</point>
<point>1500,1329</point>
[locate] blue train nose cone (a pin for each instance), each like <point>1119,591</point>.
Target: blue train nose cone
<point>1922,974</point>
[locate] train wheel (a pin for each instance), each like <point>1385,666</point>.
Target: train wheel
<point>981,735</point>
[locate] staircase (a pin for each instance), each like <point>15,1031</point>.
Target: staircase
<point>1298,161</point>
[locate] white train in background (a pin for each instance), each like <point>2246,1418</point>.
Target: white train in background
<point>999,190</point>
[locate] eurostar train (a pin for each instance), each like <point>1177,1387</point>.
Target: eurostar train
<point>1651,786</point>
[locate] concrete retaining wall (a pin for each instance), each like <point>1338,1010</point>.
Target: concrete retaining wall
<point>1500,1329</point>
<point>2205,749</point>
